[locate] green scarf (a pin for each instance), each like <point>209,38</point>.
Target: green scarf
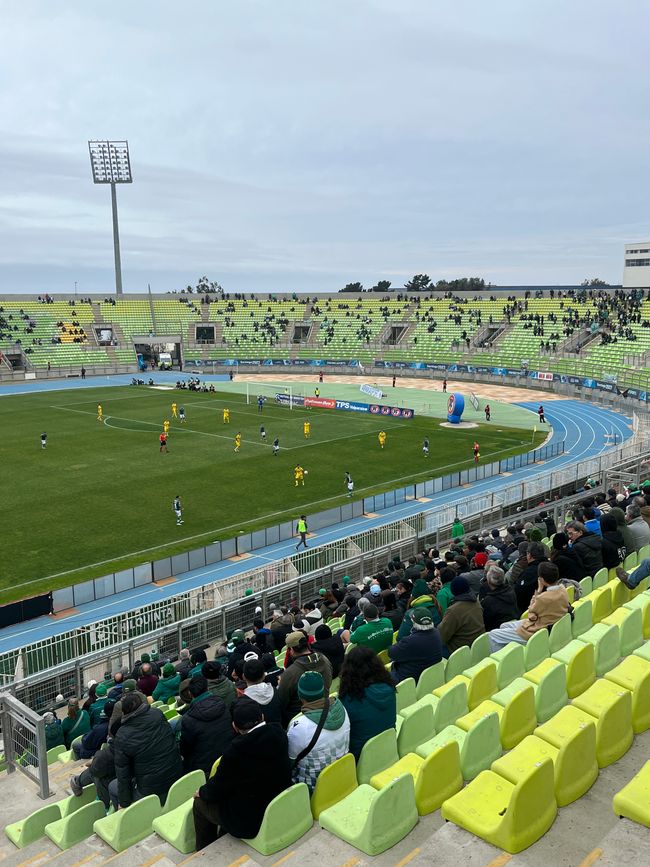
<point>335,718</point>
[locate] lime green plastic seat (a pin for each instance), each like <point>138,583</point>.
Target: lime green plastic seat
<point>536,649</point>
<point>406,693</point>
<point>156,704</point>
<point>630,627</point>
<point>611,706</point>
<point>605,639</point>
<point>436,778</point>
<point>72,803</point>
<point>560,634</point>
<point>377,754</point>
<point>182,789</point>
<point>631,562</point>
<point>633,673</point>
<point>642,602</point>
<point>633,800</point>
<point>177,827</point>
<point>600,579</point>
<point>510,816</point>
<point>643,652</point>
<point>519,717</point>
<point>286,819</point>
<point>481,681</point>
<point>65,757</point>
<point>335,782</point>
<point>549,682</point>
<point>601,600</point>
<point>54,754</point>
<point>373,820</point>
<point>479,746</point>
<point>124,828</point>
<point>579,659</point>
<point>458,661</point>
<point>77,826</point>
<point>431,678</point>
<point>170,713</point>
<point>32,827</point>
<point>480,648</point>
<point>417,726</point>
<point>448,703</point>
<point>586,585</point>
<point>510,662</point>
<point>582,617</point>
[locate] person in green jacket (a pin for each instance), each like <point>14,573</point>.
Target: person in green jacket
<point>444,595</point>
<point>76,724</point>
<point>168,684</point>
<point>457,530</point>
<point>96,708</point>
<point>53,731</point>
<point>367,692</point>
<point>376,633</point>
<point>421,595</point>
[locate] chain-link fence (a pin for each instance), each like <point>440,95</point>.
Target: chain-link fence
<point>23,740</point>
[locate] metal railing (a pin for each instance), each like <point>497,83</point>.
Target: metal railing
<point>23,736</point>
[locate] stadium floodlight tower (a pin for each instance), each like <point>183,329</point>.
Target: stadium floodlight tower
<point>110,164</point>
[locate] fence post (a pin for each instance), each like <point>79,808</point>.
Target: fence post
<point>41,758</point>
<point>7,736</point>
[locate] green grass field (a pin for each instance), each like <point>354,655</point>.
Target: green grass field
<point>99,498</point>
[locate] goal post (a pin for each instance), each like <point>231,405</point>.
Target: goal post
<point>267,390</point>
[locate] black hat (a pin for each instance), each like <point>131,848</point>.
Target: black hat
<point>246,713</point>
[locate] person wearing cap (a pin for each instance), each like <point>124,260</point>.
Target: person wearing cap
<point>252,772</point>
<point>205,728</point>
<point>147,681</point>
<point>374,596</point>
<point>421,596</point>
<point>218,683</point>
<point>259,690</point>
<point>301,659</point>
<point>53,731</point>
<point>86,746</point>
<point>463,620</point>
<point>476,574</point>
<point>168,685</point>
<point>333,741</point>
<point>147,761</point>
<point>376,632</point>
<point>497,598</point>
<point>237,648</point>
<point>367,692</point>
<point>417,651</point>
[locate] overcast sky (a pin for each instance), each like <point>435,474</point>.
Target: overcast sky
<point>302,144</point>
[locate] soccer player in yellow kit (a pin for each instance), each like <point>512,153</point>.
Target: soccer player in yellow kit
<point>298,475</point>
<point>381,436</point>
<point>174,415</point>
<point>226,416</point>
<point>306,429</point>
<point>100,412</point>
<point>237,441</point>
<point>166,426</point>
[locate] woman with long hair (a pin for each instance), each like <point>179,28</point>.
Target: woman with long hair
<point>367,692</point>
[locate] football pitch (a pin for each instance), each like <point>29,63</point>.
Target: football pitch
<point>99,497</point>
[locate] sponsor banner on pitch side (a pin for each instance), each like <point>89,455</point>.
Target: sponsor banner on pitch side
<point>346,405</point>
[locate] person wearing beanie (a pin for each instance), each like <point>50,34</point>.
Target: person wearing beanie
<point>95,711</point>
<point>376,632</point>
<point>147,761</point>
<point>421,596</point>
<point>301,659</point>
<point>235,799</point>
<point>147,681</point>
<point>367,692</point>
<point>549,604</point>
<point>476,573</point>
<point>85,747</point>
<point>218,684</point>
<point>238,647</point>
<point>463,620</point>
<point>330,646</point>
<point>168,685</point>
<point>259,690</point>
<point>53,731</point>
<point>444,596</point>
<point>417,651</point>
<point>206,730</point>
<point>334,738</point>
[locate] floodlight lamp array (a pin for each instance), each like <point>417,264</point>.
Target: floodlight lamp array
<point>110,162</point>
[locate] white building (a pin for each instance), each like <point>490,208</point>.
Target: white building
<point>636,270</point>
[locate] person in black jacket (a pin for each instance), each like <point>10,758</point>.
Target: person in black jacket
<point>206,730</point>
<point>93,740</point>
<point>586,547</point>
<point>612,543</point>
<point>564,558</point>
<point>263,639</point>
<point>418,650</point>
<point>391,611</point>
<point>497,599</point>
<point>527,581</point>
<point>237,649</point>
<point>330,646</point>
<point>234,800</point>
<point>260,690</point>
<point>147,760</point>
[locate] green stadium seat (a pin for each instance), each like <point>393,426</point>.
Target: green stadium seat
<point>481,681</point>
<point>536,649</point>
<point>586,585</point>
<point>579,658</point>
<point>510,662</point>
<point>605,639</point>
<point>447,706</point>
<point>32,827</point>
<point>611,706</point>
<point>77,826</point>
<point>177,827</point>
<point>642,602</point>
<point>286,819</point>
<point>600,579</point>
<point>574,736</point>
<point>458,661</point>
<point>549,680</point>
<point>629,622</point>
<point>601,600</point>
<point>406,693</point>
<point>54,754</point>
<point>417,726</point>
<point>430,679</point>
<point>479,746</point>
<point>373,820</point>
<point>633,800</point>
<point>633,673</point>
<point>480,648</point>
<point>560,634</point>
<point>377,754</point>
<point>70,804</point>
<point>125,828</point>
<point>582,621</point>
<point>335,782</point>
<point>182,789</point>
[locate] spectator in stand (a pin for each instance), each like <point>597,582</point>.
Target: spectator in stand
<point>586,547</point>
<point>129,686</point>
<point>367,692</point>
<point>101,697</point>
<point>238,647</point>
<point>376,632</point>
<point>518,561</point>
<point>391,611</point>
<point>414,569</point>
<point>565,558</point>
<point>100,771</point>
<point>457,530</point>
<point>115,693</point>
<point>549,603</point>
<point>259,690</point>
<point>332,743</point>
<point>53,731</point>
<point>591,521</point>
<point>87,745</point>
<point>444,596</point>
<point>463,620</point>
<point>612,543</point>
<point>497,598</point>
<point>330,646</point>
<point>638,528</point>
<point>184,664</point>
<point>91,698</point>
<point>235,799</point>
<point>403,590</point>
<point>527,580</point>
<point>168,685</point>
<point>147,760</point>
<point>206,730</point>
<point>311,617</point>
<point>420,597</point>
<point>197,658</point>
<point>476,575</point>
<point>416,652</point>
<point>623,528</point>
<point>147,681</point>
<point>218,684</point>
<point>280,627</point>
<point>263,639</point>
<point>272,669</point>
<point>76,723</point>
<point>328,603</point>
<point>301,659</point>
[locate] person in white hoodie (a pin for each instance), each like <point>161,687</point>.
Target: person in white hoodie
<point>258,690</point>
<point>312,618</point>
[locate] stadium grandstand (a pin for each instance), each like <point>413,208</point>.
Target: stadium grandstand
<point>454,672</point>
